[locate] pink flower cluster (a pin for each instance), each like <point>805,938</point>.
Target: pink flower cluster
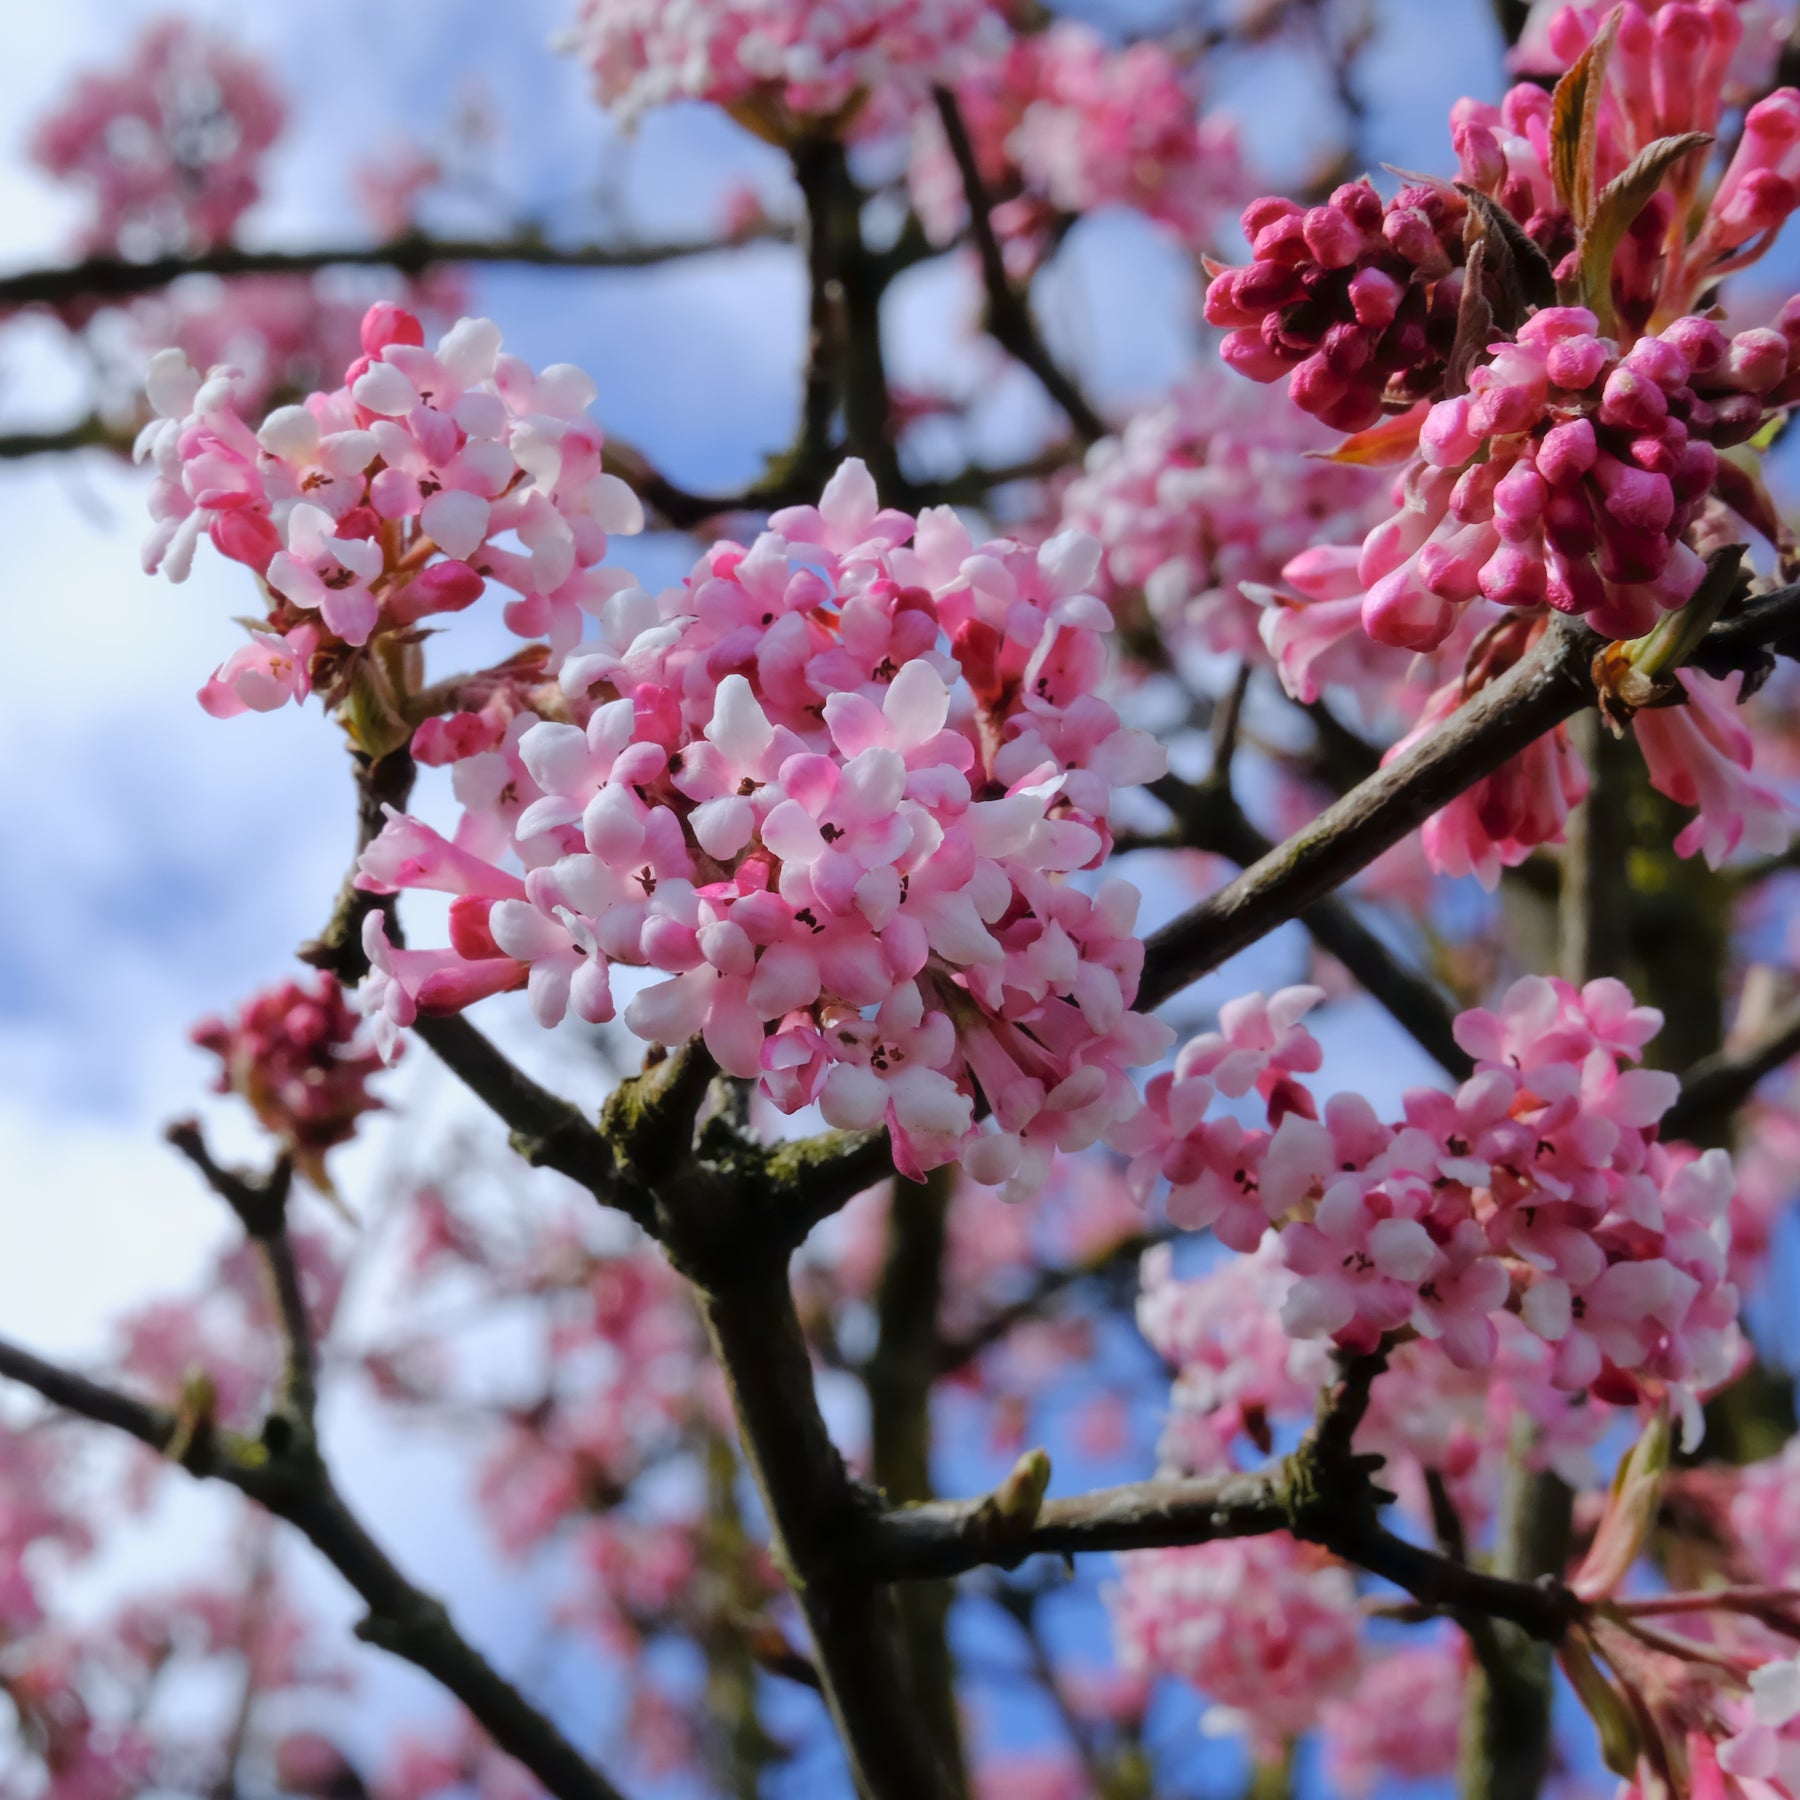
<point>1243,1384</point>
<point>1566,476</point>
<point>1556,33</point>
<point>1352,301</point>
<point>1666,75</point>
<point>775,63</point>
<point>169,145</point>
<point>1401,1723</point>
<point>1062,123</point>
<point>1765,1516</point>
<point>395,497</point>
<point>293,1052</point>
<point>1210,490</point>
<point>1539,1184</point>
<point>831,791</point>
<point>1266,1627</point>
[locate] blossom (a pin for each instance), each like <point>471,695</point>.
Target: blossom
<point>394,498</point>
<point>1402,1722</point>
<point>169,145</point>
<point>1267,1628</point>
<point>1203,497</point>
<point>1540,1180</point>
<point>849,874</point>
<point>774,67</point>
<point>1063,123</point>
<point>293,1052</point>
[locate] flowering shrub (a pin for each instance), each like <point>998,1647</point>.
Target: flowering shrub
<point>808,854</point>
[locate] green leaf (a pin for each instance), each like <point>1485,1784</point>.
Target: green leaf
<point>1620,202</point>
<point>1575,123</point>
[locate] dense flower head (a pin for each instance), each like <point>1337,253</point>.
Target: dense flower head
<point>1352,301</point>
<point>775,64</point>
<point>285,334</point>
<point>1538,1186</point>
<point>1556,32</point>
<point>1567,476</point>
<point>1210,490</point>
<point>1401,1723</point>
<point>296,1053</point>
<point>169,144</point>
<point>1062,123</point>
<point>832,791</point>
<point>1266,1627</point>
<point>1244,1383</point>
<point>396,496</point>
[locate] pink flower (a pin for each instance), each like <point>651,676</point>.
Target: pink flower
<point>169,145</point>
<point>1702,755</point>
<point>1267,1628</point>
<point>264,675</point>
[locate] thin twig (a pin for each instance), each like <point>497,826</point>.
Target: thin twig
<point>113,278</point>
<point>1009,317</point>
<point>401,1618</point>
<point>261,1208</point>
<point>1718,1085</point>
<point>1207,818</point>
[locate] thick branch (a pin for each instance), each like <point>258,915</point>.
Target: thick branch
<point>113,278</point>
<point>401,1619</point>
<point>1209,819</point>
<point>1009,316</point>
<point>1547,686</point>
<point>548,1131</point>
<point>815,1511</point>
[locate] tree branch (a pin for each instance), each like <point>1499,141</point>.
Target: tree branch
<point>113,278</point>
<point>899,1376</point>
<point>261,1208</point>
<point>1009,317</point>
<point>1548,685</point>
<point>1209,819</point>
<point>815,1510</point>
<point>294,1485</point>
<point>1718,1085</point>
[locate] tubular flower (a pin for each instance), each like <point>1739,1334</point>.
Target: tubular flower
<point>1351,301</point>
<point>1566,477</point>
<point>1266,1627</point>
<point>395,497</point>
<point>830,792</point>
<point>1210,491</point>
<point>295,1053</point>
<point>776,66</point>
<point>1539,1185</point>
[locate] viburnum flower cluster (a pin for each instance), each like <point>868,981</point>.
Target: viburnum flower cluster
<point>831,791</point>
<point>1267,1627</point>
<point>1207,491</point>
<point>394,498</point>
<point>1539,1185</point>
<point>298,1055</point>
<point>1063,123</point>
<point>779,66</point>
<point>169,145</point>
<point>1570,429</point>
